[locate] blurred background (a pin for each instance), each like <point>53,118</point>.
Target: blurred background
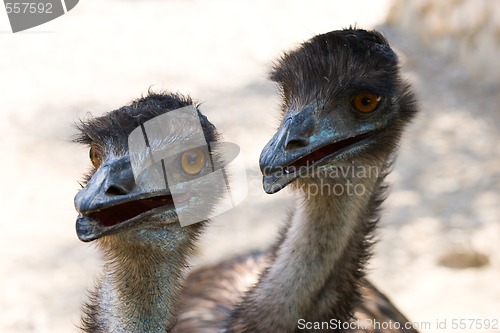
<point>439,251</point>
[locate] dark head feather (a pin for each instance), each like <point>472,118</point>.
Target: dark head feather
<point>118,124</point>
<point>337,62</point>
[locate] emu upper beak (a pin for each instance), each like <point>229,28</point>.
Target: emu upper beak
<point>304,140</point>
<point>111,201</point>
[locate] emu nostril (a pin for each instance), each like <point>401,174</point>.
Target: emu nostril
<point>296,143</point>
<point>116,190</point>
<point>301,128</point>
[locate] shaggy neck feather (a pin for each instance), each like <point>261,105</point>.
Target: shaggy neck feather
<point>318,260</point>
<point>140,286</point>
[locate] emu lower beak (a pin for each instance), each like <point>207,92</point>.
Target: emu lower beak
<point>111,201</point>
<point>303,141</point>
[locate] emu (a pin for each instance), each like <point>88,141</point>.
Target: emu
<point>344,108</point>
<point>135,226</point>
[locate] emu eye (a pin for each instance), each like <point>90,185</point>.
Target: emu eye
<point>95,157</point>
<point>193,161</point>
<point>366,102</point>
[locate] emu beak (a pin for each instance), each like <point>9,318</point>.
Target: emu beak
<point>303,141</point>
<point>111,201</point>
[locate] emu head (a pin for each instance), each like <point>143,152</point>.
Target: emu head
<point>127,191</point>
<point>342,100</point>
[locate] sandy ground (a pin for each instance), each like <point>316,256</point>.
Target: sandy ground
<point>446,193</point>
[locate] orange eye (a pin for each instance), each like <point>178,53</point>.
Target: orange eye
<point>366,102</point>
<point>95,157</point>
<point>193,161</point>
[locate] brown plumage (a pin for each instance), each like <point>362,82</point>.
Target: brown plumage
<point>344,110</point>
<point>212,293</point>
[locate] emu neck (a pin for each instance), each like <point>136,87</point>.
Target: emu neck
<point>140,285</point>
<point>318,260</point>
